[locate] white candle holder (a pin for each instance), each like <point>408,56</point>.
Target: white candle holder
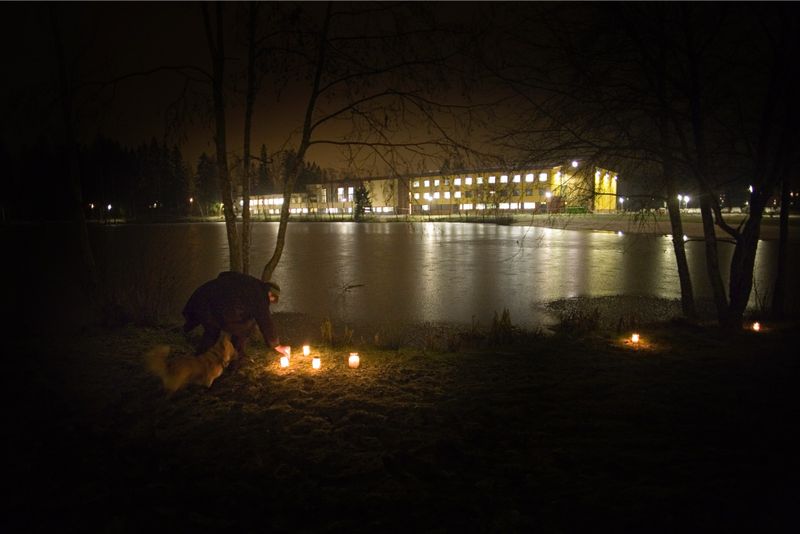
<point>284,361</point>
<point>306,350</point>
<point>353,361</point>
<point>316,362</point>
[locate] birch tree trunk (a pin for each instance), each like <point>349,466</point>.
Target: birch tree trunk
<point>216,45</point>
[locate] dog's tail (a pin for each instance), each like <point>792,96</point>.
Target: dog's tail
<point>155,361</point>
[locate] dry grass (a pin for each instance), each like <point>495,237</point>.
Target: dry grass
<point>691,431</point>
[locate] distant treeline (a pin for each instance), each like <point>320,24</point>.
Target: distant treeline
<point>153,180</point>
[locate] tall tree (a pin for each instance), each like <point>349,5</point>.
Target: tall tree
<point>216,45</point>
<point>67,105</point>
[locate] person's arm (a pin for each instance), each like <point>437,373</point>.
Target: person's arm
<point>264,319</point>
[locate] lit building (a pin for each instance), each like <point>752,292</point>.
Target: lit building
<point>562,189</point>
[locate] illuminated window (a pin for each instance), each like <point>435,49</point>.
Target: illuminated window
<point>427,196</point>
<point>426,183</point>
<point>504,205</point>
<point>416,196</point>
<point>480,206</point>
<point>529,205</point>
<point>468,180</point>
<point>457,181</point>
<point>447,194</point>
<point>517,178</point>
<point>436,195</point>
<point>479,180</point>
<point>447,181</point>
<point>543,177</point>
<point>492,179</point>
<point>436,183</point>
<point>529,177</point>
<point>504,179</point>
<point>350,191</point>
<point>415,184</point>
<point>340,194</point>
<point>425,207</point>
<point>457,194</point>
<point>466,206</point>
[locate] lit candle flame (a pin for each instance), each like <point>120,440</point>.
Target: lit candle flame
<point>635,338</point>
<point>316,363</point>
<point>354,360</point>
<point>306,350</point>
<point>756,326</point>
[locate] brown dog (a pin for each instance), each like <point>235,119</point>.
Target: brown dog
<point>184,369</point>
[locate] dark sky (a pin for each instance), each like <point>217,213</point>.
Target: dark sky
<point>106,40</point>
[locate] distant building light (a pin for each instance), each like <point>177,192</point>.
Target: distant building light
<point>574,163</point>
<point>542,176</point>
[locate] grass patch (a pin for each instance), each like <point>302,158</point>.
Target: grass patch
<point>546,432</point>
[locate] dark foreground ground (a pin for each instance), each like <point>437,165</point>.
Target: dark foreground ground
<point>695,431</point>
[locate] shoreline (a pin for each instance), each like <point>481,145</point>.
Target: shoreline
<point>627,223</point>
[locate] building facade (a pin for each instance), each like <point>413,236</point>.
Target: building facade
<point>564,188</point>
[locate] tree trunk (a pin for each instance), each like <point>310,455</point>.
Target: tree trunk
<point>742,263</point>
<point>678,245</point>
<point>90,281</point>
<point>712,260</point>
<point>248,126</point>
<point>216,45</point>
<point>706,194</point>
<point>297,163</point>
<point>779,290</point>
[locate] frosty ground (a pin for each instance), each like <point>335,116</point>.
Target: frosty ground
<point>438,430</point>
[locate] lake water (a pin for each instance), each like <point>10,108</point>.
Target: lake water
<point>439,272</point>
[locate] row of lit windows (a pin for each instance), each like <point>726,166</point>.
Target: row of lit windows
<point>305,211</point>
<point>479,180</point>
<point>436,195</point>
<point>501,205</point>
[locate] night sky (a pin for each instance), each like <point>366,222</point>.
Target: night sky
<point>110,41</point>
<point>104,41</point>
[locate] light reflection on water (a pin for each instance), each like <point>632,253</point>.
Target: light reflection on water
<point>384,272</point>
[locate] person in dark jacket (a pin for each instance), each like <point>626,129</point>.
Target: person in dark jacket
<point>235,303</point>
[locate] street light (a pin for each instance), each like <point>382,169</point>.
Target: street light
<point>621,202</point>
<point>548,195</point>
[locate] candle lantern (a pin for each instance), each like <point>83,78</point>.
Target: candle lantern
<point>635,338</point>
<point>354,360</point>
<point>316,363</point>
<point>306,350</point>
<point>284,361</point>
<point>756,326</point>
